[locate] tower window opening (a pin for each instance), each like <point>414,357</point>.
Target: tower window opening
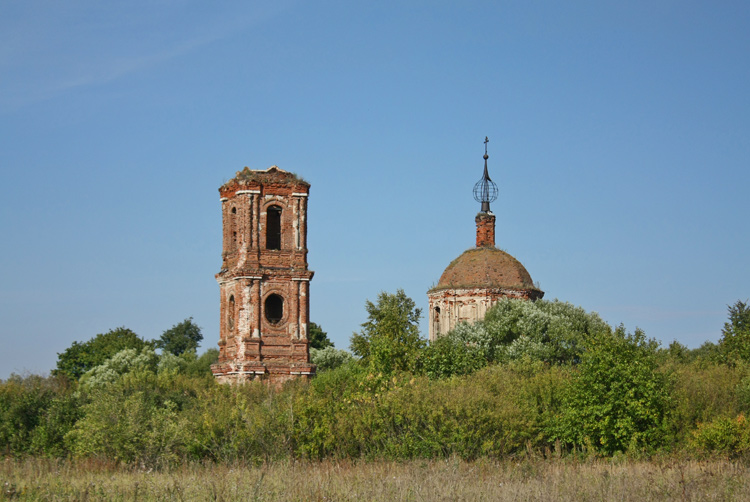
<point>273,228</point>
<point>232,245</point>
<point>274,308</point>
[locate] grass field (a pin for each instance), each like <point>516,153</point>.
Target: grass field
<point>553,480</point>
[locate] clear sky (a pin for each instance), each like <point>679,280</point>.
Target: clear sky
<point>619,139</point>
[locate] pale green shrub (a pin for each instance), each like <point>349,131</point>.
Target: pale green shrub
<point>329,358</point>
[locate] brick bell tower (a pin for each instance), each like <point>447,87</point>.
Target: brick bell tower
<point>264,281</point>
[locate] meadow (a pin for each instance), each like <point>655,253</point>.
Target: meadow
<point>423,480</point>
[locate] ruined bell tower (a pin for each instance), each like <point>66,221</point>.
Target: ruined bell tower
<point>264,281</point>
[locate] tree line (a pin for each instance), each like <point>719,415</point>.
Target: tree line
<point>542,376</point>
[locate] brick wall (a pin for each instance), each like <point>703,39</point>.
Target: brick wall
<point>250,345</point>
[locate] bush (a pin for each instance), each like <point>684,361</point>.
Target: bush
<point>140,418</point>
<point>58,418</point>
<point>552,332</point>
<point>26,404</point>
<point>618,401</point>
<point>495,412</point>
<point>125,361</point>
<point>247,423</point>
<point>729,436</point>
<point>452,355</point>
<point>329,358</point>
<point>702,391</point>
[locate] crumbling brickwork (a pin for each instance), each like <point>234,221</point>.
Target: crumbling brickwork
<point>264,280</point>
<point>485,229</point>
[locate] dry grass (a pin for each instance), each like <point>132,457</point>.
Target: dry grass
<point>553,480</point>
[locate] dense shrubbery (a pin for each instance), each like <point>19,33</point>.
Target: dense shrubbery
<point>35,414</point>
<point>329,358</point>
<point>541,377</point>
<point>552,332</point>
<point>618,400</point>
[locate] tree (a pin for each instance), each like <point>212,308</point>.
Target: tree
<point>708,351</point>
<point>389,340</point>
<point>553,332</point>
<point>188,363</point>
<point>735,341</point>
<point>81,357</point>
<point>318,338</point>
<point>180,337</point>
<point>329,358</point>
<point>618,399</point>
<point>513,329</point>
<point>125,361</point>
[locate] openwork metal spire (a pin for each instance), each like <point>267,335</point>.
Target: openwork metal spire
<point>485,190</point>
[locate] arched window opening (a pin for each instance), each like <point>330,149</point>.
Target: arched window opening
<point>274,308</point>
<point>231,226</point>
<point>273,228</point>
<point>437,319</point>
<point>230,314</point>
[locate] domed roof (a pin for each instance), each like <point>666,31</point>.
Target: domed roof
<point>485,267</point>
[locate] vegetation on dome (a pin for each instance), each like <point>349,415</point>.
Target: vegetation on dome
<point>461,273</point>
<point>272,175</point>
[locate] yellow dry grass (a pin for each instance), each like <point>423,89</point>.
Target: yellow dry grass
<point>434,480</point>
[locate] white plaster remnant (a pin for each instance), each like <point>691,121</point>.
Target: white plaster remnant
<point>244,322</point>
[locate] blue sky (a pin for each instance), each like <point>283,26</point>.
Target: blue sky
<point>618,140</point>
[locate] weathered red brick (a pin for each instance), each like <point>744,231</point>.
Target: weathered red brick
<point>256,264</point>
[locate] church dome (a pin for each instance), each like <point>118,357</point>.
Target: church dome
<point>485,267</point>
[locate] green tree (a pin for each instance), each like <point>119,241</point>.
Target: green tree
<point>318,338</point>
<point>180,337</point>
<point>618,400</point>
<point>708,351</point>
<point>389,340</point>
<point>81,357</point>
<point>735,340</point>
<point>24,404</point>
<point>202,365</point>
